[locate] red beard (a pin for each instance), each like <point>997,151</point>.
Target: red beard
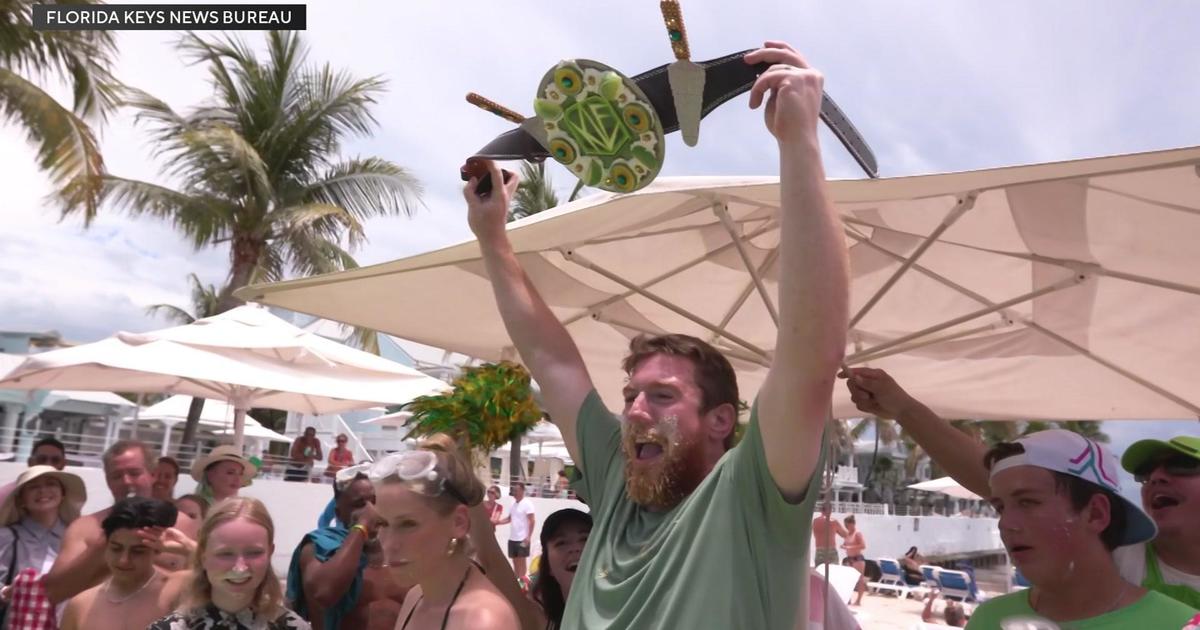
<point>662,484</point>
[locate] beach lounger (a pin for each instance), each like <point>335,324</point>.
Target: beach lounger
<point>892,578</point>
<point>954,585</point>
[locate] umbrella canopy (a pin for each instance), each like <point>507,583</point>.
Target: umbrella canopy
<point>245,356</point>
<point>1058,291</point>
<point>945,485</point>
<point>216,414</point>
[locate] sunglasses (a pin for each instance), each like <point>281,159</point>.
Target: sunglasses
<point>1175,465</point>
<point>415,468</point>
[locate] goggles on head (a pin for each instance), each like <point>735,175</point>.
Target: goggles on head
<point>417,469</point>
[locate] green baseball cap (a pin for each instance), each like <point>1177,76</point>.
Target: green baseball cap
<point>1143,451</point>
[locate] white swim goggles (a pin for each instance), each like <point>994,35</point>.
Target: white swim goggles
<point>417,468</point>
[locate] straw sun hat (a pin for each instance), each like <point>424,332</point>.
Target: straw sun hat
<point>74,495</point>
<point>223,453</point>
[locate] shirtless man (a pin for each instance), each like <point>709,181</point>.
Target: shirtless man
<point>81,562</point>
<point>337,578</point>
<point>855,545</point>
<point>138,593</point>
<point>825,531</point>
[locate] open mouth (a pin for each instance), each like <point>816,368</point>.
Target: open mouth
<point>1160,501</point>
<point>647,451</point>
<point>572,566</point>
<point>1020,549</point>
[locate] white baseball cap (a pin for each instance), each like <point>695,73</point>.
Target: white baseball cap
<point>1072,454</point>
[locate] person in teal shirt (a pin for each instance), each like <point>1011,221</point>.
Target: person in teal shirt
<point>1061,515</point>
<point>691,531</point>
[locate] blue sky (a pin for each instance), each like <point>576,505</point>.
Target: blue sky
<point>934,86</point>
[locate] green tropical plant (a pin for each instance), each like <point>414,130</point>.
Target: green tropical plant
<point>204,304</point>
<point>259,167</point>
<point>490,405</point>
<point>66,146</point>
<point>534,194</point>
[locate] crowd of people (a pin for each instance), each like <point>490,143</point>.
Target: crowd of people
<point>687,527</point>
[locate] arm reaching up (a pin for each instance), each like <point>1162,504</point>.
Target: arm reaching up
<point>793,404</point>
<point>545,345</point>
<point>875,392</point>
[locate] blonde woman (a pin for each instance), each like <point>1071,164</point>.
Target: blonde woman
<point>424,497</point>
<point>233,586</point>
<point>222,473</point>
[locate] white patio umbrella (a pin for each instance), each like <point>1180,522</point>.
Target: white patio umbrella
<point>216,416</point>
<point>245,356</point>
<point>1054,291</point>
<point>945,485</point>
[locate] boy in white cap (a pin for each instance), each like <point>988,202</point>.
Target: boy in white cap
<point>1061,515</point>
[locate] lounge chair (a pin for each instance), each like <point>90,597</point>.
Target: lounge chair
<point>892,578</point>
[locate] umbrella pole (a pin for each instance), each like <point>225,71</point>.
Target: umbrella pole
<point>239,428</point>
<point>137,411</point>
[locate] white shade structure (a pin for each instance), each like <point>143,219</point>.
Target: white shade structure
<point>945,485</point>
<point>1058,291</point>
<point>246,357</point>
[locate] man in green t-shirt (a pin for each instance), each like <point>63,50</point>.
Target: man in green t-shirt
<point>691,531</point>
<point>1061,515</point>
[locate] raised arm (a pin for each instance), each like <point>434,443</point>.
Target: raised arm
<point>326,582</point>
<point>545,345</point>
<point>80,563</point>
<point>500,572</point>
<point>793,404</point>
<point>875,392</point>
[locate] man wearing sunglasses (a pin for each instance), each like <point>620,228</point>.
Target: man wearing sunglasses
<point>1169,473</point>
<point>692,531</point>
<point>1170,476</point>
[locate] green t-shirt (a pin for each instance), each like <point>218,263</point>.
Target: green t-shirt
<point>732,555</point>
<point>1153,611</point>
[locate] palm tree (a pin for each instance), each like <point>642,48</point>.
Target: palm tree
<point>204,304</point>
<point>66,147</point>
<point>259,166</point>
<point>534,194</point>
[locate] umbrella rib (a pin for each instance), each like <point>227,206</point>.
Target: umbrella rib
<point>1037,327</point>
<point>659,278</point>
<point>732,352</point>
<point>1025,297</point>
<point>1162,204</point>
<point>1182,402</point>
<point>674,230</point>
<point>722,212</point>
<point>582,261</point>
<point>861,357</point>
<point>964,203</point>
<point>745,294</point>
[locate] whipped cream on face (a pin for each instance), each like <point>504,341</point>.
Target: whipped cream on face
<point>237,574</point>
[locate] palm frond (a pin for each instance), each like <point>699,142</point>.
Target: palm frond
<point>534,194</point>
<point>327,220</point>
<point>366,187</point>
<point>202,219</point>
<point>171,313</point>
<point>309,254</point>
<point>66,148</point>
<point>81,58</point>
